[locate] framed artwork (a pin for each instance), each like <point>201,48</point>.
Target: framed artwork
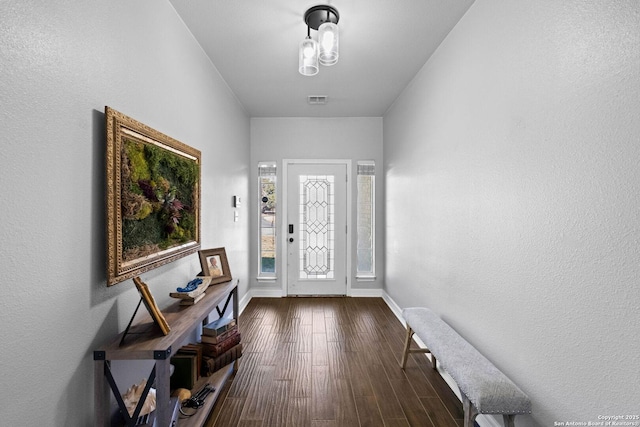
<point>153,198</point>
<point>214,264</point>
<point>151,305</point>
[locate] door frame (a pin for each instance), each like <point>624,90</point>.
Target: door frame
<point>284,232</point>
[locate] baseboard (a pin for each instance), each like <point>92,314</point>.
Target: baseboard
<point>244,301</point>
<point>277,293</point>
<point>481,420</point>
<point>257,293</point>
<point>366,293</point>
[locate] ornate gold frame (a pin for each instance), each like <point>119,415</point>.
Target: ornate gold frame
<point>120,126</point>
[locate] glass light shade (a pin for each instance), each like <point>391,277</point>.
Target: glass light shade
<point>308,57</point>
<point>328,41</point>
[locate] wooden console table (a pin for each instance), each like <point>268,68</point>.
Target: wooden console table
<point>145,341</point>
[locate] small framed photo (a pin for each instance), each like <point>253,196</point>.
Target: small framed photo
<point>214,264</point>
<point>151,305</point>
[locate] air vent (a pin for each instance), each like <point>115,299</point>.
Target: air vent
<point>317,99</point>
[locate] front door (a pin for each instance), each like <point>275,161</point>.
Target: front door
<point>316,229</point>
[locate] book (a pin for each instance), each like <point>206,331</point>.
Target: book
<point>185,372</point>
<point>215,350</point>
<point>152,307</point>
<point>213,364</point>
<point>217,327</point>
<point>193,349</point>
<point>219,338</point>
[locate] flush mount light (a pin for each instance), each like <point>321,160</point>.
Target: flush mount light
<point>324,19</point>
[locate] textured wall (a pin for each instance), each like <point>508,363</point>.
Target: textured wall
<point>512,198</point>
<point>60,64</point>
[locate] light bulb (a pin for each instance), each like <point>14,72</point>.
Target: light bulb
<point>308,51</point>
<point>328,37</point>
<point>327,41</point>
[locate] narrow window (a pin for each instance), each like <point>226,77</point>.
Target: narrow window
<point>267,226</point>
<point>366,219</point>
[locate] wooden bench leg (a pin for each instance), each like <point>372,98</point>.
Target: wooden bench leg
<point>470,411</point>
<point>509,420</point>
<point>407,344</point>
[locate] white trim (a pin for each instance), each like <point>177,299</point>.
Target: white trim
<point>395,308</point>
<point>284,233</point>
<point>482,420</point>
<point>244,301</point>
<point>366,293</point>
<point>257,293</point>
<point>267,293</point>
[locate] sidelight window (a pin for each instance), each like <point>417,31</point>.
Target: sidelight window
<point>366,219</point>
<point>267,227</point>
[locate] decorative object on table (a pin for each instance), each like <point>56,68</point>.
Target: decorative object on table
<point>153,198</point>
<point>193,291</point>
<point>196,401</point>
<point>214,264</point>
<point>132,397</point>
<point>151,305</point>
<point>191,286</point>
<point>182,394</point>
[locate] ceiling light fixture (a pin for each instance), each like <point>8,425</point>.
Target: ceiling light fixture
<point>322,18</point>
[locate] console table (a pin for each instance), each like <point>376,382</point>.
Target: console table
<point>144,340</point>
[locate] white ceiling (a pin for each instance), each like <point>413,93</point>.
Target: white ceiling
<point>383,44</point>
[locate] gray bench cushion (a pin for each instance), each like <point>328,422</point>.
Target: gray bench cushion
<point>490,391</point>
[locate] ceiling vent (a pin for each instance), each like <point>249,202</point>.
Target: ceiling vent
<point>317,99</point>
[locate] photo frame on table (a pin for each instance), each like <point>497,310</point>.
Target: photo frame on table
<point>151,305</point>
<point>214,263</point>
<point>153,198</point>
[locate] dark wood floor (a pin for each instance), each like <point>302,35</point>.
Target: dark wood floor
<point>325,362</point>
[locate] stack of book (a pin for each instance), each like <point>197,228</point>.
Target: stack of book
<point>220,344</point>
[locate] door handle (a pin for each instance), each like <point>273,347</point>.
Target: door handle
<point>290,228</point>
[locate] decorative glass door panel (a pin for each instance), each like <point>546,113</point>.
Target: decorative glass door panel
<point>317,227</point>
<point>316,239</point>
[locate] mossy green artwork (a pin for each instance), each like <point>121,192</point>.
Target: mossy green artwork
<point>159,199</point>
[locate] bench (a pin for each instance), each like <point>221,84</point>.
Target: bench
<point>484,389</point>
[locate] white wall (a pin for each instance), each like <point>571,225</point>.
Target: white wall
<point>60,64</point>
<point>355,138</point>
<point>512,198</point>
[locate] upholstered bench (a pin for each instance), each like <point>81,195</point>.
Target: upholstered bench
<point>484,389</point>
